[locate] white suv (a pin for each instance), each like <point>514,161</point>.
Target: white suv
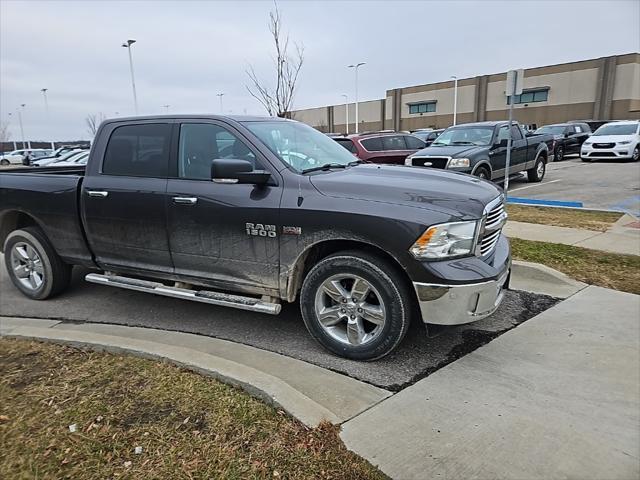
<point>613,141</point>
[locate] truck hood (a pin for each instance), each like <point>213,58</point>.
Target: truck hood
<point>458,195</point>
<point>453,151</point>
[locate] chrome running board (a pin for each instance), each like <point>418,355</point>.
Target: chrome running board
<point>203,296</point>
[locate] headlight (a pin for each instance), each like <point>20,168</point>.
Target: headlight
<point>625,142</point>
<point>459,162</point>
<point>445,240</point>
<point>407,161</point>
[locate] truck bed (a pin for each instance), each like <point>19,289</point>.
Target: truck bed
<point>52,196</point>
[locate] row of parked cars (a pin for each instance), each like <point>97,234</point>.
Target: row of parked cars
<point>70,155</point>
<point>480,148</point>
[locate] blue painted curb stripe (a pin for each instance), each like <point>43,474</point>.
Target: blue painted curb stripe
<point>535,201</point>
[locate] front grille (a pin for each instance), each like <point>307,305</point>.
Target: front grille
<point>436,162</point>
<point>604,145</point>
<point>494,220</point>
<point>602,154</point>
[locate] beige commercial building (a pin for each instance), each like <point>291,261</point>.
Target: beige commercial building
<point>605,88</point>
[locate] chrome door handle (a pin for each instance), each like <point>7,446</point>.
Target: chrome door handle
<point>97,193</point>
<point>185,200</point>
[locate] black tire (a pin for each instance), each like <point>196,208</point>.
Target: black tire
<point>56,274</point>
<point>483,172</point>
<point>636,154</point>
<point>386,281</point>
<point>536,174</point>
<point>4,161</point>
<point>559,154</point>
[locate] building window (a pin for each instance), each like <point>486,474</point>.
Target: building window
<point>423,107</point>
<point>531,96</point>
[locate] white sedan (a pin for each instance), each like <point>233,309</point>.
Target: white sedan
<point>613,141</point>
<point>15,157</point>
<point>62,158</point>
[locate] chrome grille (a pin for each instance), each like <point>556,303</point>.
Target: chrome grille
<point>495,218</point>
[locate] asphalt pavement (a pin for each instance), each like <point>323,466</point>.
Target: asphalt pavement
<point>604,185</point>
<point>417,357</point>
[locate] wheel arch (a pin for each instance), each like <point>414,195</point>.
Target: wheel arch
<point>483,163</point>
<point>322,249</point>
<point>14,220</point>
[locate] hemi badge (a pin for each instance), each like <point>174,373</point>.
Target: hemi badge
<point>291,230</point>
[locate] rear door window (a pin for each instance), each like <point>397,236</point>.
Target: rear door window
<point>414,143</point>
<point>372,144</point>
<point>138,151</point>
<point>393,142</point>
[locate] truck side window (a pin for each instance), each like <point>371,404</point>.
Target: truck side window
<point>503,134</point>
<point>202,143</point>
<point>138,151</point>
<point>515,131</point>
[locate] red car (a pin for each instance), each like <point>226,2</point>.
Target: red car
<point>381,147</point>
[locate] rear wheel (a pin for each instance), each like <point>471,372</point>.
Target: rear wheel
<point>33,265</point>
<point>559,154</point>
<point>356,305</point>
<point>536,174</point>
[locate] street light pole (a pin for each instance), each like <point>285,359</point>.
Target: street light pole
<point>455,99</point>
<point>127,45</point>
<point>356,66</point>
<point>24,144</point>
<point>346,112</point>
<point>220,95</point>
<point>15,147</point>
<point>46,110</point>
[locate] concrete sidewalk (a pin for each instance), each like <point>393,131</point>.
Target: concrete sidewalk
<point>308,392</point>
<point>556,397</point>
<point>620,238</point>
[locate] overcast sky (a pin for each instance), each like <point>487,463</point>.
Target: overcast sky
<point>186,52</point>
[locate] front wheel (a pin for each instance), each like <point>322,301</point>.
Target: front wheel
<point>536,174</point>
<point>4,161</point>
<point>635,156</point>
<point>33,265</point>
<point>356,305</point>
<point>483,173</point>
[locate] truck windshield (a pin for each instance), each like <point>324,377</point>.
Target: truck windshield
<point>465,136</point>
<point>619,129</point>
<point>300,146</point>
<point>552,129</point>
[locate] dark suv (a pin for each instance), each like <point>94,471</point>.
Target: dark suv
<point>568,137</point>
<point>382,147</point>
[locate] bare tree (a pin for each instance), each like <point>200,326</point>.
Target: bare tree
<point>93,122</point>
<point>4,132</point>
<point>278,101</point>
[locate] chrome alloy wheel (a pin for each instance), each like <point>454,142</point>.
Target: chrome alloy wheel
<point>350,309</point>
<point>27,265</point>
<point>540,169</point>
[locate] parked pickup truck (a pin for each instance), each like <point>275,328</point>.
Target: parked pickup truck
<point>481,150</point>
<point>251,212</point>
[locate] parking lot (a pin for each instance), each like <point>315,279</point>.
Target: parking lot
<point>606,185</point>
<point>417,356</point>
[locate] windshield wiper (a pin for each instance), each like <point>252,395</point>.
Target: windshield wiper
<point>326,166</point>
<point>462,143</point>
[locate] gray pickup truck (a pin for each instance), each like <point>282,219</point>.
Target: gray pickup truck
<point>251,212</point>
<point>480,149</point>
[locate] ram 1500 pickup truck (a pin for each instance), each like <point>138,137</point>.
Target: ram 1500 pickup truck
<point>481,150</point>
<point>251,212</point>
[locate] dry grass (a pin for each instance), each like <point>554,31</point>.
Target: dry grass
<point>563,217</point>
<point>611,270</point>
<point>188,425</point>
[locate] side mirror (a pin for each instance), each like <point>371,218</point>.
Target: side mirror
<point>231,170</point>
<point>567,135</point>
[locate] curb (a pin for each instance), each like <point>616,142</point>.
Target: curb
<point>538,278</point>
<point>348,397</point>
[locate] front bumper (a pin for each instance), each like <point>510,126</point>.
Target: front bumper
<point>460,304</point>
<point>618,152</point>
